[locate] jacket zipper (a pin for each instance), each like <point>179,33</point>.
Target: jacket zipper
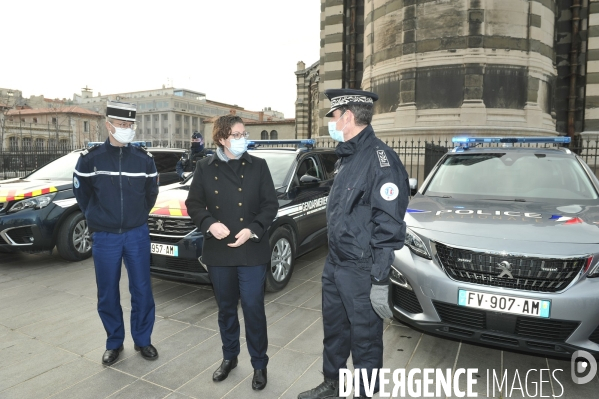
<point>121,187</point>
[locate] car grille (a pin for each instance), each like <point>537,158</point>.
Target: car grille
<point>529,273</point>
<point>406,299</point>
<point>595,336</point>
<point>460,316</point>
<point>176,264</point>
<point>177,227</point>
<point>530,327</point>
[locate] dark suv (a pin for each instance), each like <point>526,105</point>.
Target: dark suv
<point>302,178</point>
<point>39,211</point>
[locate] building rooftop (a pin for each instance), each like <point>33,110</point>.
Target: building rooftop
<point>61,110</point>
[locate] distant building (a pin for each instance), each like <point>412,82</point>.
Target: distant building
<point>50,128</point>
<point>167,117</point>
<point>259,130</point>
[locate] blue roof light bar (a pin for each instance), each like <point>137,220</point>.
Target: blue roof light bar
<point>467,141</point>
<point>306,143</point>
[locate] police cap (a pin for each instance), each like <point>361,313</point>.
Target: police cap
<point>121,111</point>
<point>341,97</point>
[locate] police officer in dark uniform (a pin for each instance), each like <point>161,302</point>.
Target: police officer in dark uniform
<point>115,184</point>
<point>187,163</point>
<point>365,214</point>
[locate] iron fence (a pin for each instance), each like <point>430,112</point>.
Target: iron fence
<point>418,156</point>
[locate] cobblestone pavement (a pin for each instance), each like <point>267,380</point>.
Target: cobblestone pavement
<point>51,342</point>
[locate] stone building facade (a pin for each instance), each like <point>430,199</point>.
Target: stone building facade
<point>51,128</point>
<point>446,67</point>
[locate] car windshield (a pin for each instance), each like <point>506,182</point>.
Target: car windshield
<point>512,176</point>
<point>59,169</point>
<point>278,164</point>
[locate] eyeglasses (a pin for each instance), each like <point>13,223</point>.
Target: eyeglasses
<point>123,125</point>
<point>237,136</point>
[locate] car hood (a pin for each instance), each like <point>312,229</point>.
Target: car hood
<point>17,189</point>
<point>171,202</point>
<point>522,221</point>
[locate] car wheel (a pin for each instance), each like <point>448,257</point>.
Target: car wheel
<point>282,260</point>
<point>74,240</point>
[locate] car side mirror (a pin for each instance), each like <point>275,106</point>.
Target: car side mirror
<point>413,186</point>
<point>308,179</point>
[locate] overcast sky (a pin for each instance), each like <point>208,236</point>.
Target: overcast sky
<point>236,51</point>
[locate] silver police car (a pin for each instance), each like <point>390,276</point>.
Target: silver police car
<point>502,248</point>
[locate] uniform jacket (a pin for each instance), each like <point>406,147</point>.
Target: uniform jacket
<point>115,187</point>
<point>367,204</point>
<point>246,199</point>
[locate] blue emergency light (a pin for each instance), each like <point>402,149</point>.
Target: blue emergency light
<point>466,142</point>
<point>306,143</point>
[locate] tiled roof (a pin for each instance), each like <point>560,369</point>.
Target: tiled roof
<point>61,110</point>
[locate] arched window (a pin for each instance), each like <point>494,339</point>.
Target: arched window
<point>264,135</point>
<point>274,135</point>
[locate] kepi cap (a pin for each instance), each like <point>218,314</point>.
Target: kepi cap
<point>122,111</point>
<point>341,97</point>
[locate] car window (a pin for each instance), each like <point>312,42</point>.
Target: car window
<point>278,164</point>
<point>166,161</point>
<point>328,161</point>
<point>59,169</point>
<point>309,167</point>
<point>512,175</point>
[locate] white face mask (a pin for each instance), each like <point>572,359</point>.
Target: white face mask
<point>335,134</point>
<point>123,136</point>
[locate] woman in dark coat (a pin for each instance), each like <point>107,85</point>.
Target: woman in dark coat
<point>232,200</point>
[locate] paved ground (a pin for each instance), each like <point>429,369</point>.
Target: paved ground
<point>51,342</point>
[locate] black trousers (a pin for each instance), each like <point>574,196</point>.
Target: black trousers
<point>230,284</point>
<point>350,323</point>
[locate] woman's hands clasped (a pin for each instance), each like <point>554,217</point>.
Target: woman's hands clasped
<point>220,231</point>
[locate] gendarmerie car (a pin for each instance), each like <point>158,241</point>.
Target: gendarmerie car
<point>502,248</point>
<point>302,177</point>
<point>39,211</point>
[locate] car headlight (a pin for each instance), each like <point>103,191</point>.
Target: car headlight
<point>416,245</point>
<point>32,203</point>
<point>594,271</point>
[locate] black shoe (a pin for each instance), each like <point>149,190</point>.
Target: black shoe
<point>259,380</point>
<point>147,352</point>
<point>111,356</point>
<point>328,389</point>
<point>222,372</point>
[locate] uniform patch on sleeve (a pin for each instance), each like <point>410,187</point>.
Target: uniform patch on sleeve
<point>382,158</point>
<point>389,191</point>
<point>75,182</point>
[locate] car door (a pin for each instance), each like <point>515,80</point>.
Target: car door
<point>311,189</point>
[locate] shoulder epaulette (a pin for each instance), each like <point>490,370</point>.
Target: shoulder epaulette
<point>382,158</point>
<point>89,149</point>
<point>142,148</point>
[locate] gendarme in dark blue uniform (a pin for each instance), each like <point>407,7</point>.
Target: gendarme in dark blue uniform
<point>365,212</point>
<point>116,186</point>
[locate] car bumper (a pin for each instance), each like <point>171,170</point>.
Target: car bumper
<point>424,296</point>
<point>185,267</point>
<point>29,230</point>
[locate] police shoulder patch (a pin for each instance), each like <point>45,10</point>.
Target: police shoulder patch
<point>75,182</point>
<point>389,191</point>
<point>382,157</point>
